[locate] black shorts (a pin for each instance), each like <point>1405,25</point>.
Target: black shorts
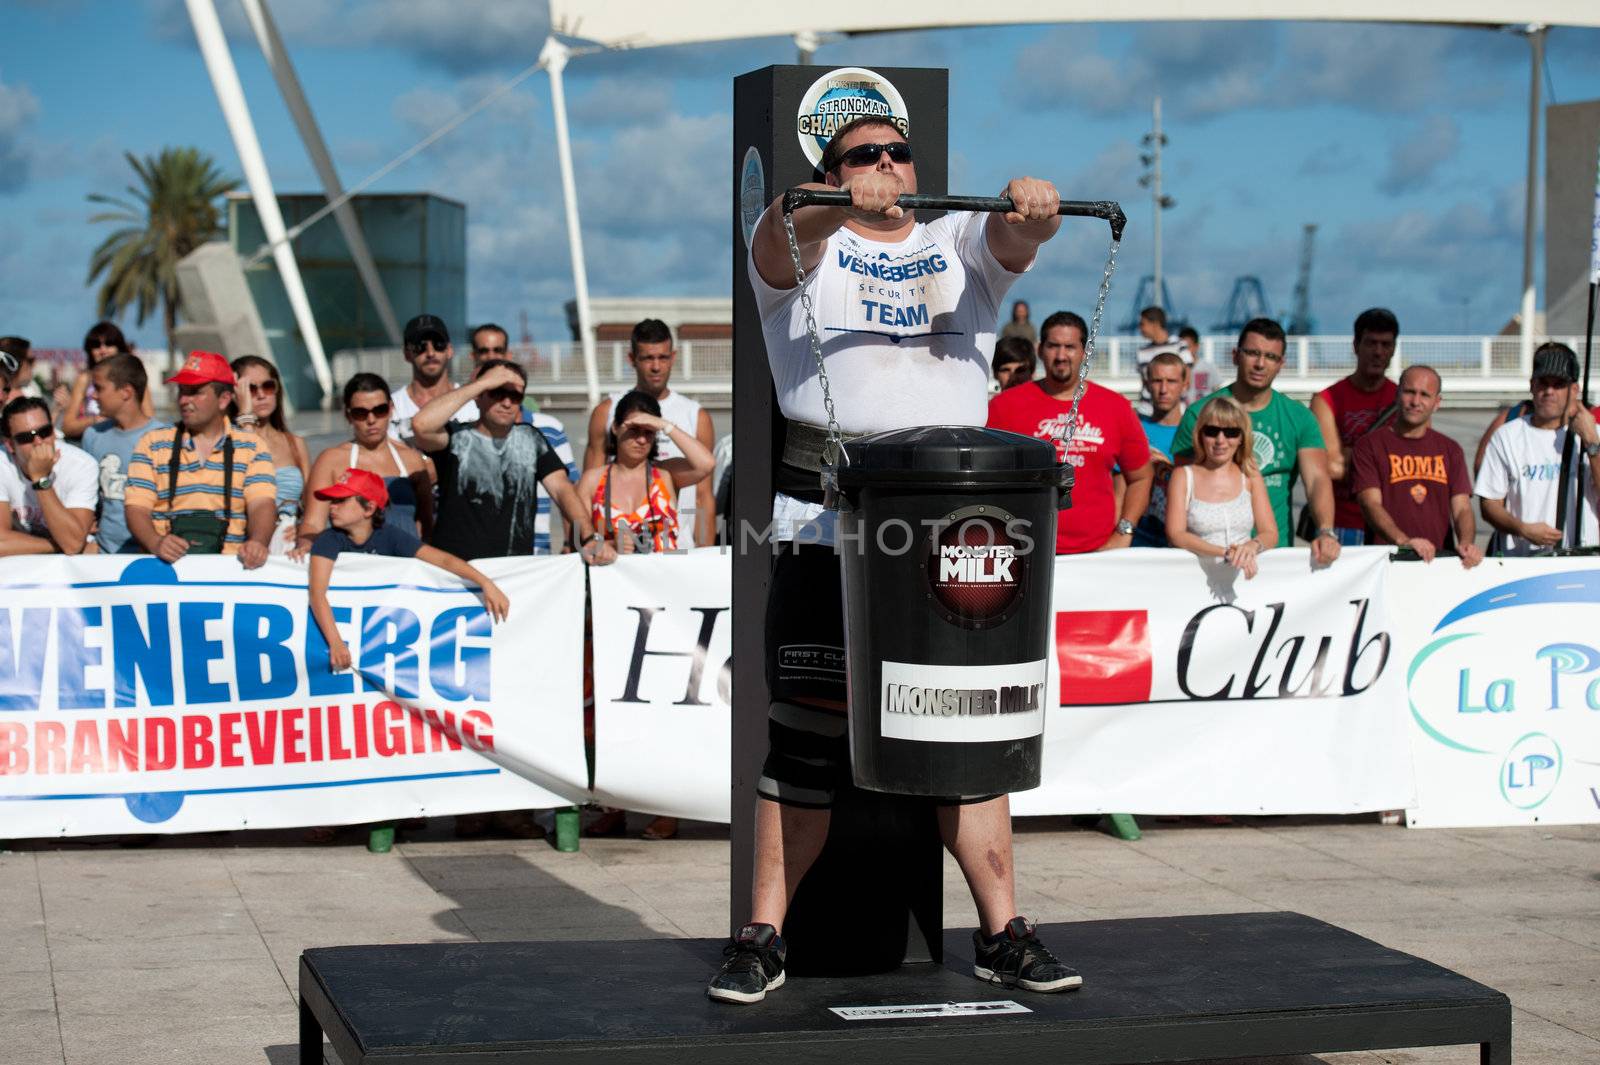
<point>805,625</point>
<point>808,758</point>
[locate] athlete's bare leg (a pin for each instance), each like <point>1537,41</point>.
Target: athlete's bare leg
<point>979,836</point>
<point>788,841</point>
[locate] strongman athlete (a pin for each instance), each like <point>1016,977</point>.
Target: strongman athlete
<point>906,314</point>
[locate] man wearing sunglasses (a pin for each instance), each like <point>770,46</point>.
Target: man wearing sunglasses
<point>490,472</point>
<point>429,351</point>
<point>205,486</point>
<point>906,313</point>
<point>48,488</point>
<point>1287,440</point>
<point>490,341</point>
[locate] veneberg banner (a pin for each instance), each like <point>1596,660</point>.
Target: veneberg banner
<point>141,697</point>
<point>662,640</point>
<point>1186,689</point>
<point>1502,671</point>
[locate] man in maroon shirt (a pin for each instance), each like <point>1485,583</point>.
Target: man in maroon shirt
<point>1411,481</point>
<point>1108,439</point>
<point>1348,409</point>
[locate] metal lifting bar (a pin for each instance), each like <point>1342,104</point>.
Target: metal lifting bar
<point>1109,210</point>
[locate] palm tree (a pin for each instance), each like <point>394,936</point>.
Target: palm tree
<point>171,211</point>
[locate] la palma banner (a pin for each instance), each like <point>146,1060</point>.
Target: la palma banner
<point>141,697</point>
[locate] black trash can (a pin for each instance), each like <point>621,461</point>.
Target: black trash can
<point>948,541</point>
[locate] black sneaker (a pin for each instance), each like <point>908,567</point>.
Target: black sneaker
<point>754,965</point>
<point>1016,958</point>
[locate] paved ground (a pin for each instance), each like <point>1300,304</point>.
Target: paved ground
<point>185,951</point>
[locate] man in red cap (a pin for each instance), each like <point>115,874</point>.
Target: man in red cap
<point>355,523</point>
<point>204,486</point>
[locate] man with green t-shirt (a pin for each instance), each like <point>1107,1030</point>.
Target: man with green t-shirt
<point>1288,442</point>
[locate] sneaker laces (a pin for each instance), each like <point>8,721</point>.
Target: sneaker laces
<point>741,956</point>
<point>1017,955</point>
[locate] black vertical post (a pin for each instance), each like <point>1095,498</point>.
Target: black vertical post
<point>882,869</point>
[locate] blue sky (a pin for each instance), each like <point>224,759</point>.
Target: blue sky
<point>1404,144</point>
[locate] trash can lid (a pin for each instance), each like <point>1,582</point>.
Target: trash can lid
<point>933,454</point>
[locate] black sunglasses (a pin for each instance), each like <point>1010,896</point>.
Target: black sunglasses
<point>28,436</point>
<point>867,154</point>
<point>504,395</point>
<point>361,414</point>
<point>1227,432</point>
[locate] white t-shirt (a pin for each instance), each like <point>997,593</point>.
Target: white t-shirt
<point>683,412</point>
<point>402,408</point>
<point>77,485</point>
<point>1523,468</point>
<point>907,330</point>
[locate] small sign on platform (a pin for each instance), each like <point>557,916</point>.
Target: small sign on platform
<point>929,1009</point>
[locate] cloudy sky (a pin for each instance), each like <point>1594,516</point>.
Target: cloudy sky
<point>1405,145</point>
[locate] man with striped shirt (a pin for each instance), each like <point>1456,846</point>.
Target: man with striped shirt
<point>216,495</point>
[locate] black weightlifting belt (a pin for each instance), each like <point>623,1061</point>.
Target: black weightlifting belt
<point>804,444</point>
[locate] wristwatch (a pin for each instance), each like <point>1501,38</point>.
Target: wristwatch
<point>1124,527</point>
<point>1329,533</point>
<point>44,482</point>
<point>1592,449</point>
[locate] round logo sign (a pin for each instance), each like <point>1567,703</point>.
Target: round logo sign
<point>841,95</point>
<point>752,193</point>
<point>976,568</point>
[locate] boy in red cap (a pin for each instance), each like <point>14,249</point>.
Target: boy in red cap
<point>355,523</point>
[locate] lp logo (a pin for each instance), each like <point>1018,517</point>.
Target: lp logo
<point>1530,770</point>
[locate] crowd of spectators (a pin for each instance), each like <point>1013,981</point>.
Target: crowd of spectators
<point>1214,470</point>
<point>479,471</point>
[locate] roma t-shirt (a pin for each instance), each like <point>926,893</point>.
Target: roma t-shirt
<point>1108,437</point>
<point>1416,479</point>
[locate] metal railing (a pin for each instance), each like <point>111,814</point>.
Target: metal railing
<point>1475,364</point>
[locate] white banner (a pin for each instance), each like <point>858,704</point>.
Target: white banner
<point>1502,668</point>
<point>1188,690</point>
<point>662,639</point>
<point>141,697</point>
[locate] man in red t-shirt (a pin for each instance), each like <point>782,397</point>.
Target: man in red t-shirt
<point>1348,409</point>
<point>1108,438</point>
<point>1411,481</point>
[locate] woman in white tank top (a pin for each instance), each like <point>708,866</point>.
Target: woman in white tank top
<point>1222,493</point>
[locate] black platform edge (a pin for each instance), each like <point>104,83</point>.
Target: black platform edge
<point>373,1002</point>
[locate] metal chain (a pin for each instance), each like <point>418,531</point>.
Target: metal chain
<point>834,452</point>
<point>1090,340</point>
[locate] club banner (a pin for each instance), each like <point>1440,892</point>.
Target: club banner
<point>141,697</point>
<point>1186,689</point>
<point>1502,671</point>
<point>662,639</point>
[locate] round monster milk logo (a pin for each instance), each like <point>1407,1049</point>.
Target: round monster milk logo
<point>840,96</point>
<point>975,568</point>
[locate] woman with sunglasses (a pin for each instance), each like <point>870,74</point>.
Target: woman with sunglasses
<point>258,399</point>
<point>78,405</point>
<point>1223,493</point>
<point>407,473</point>
<point>632,496</point>
<point>632,499</point>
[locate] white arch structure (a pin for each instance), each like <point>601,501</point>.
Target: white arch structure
<point>623,24</point>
